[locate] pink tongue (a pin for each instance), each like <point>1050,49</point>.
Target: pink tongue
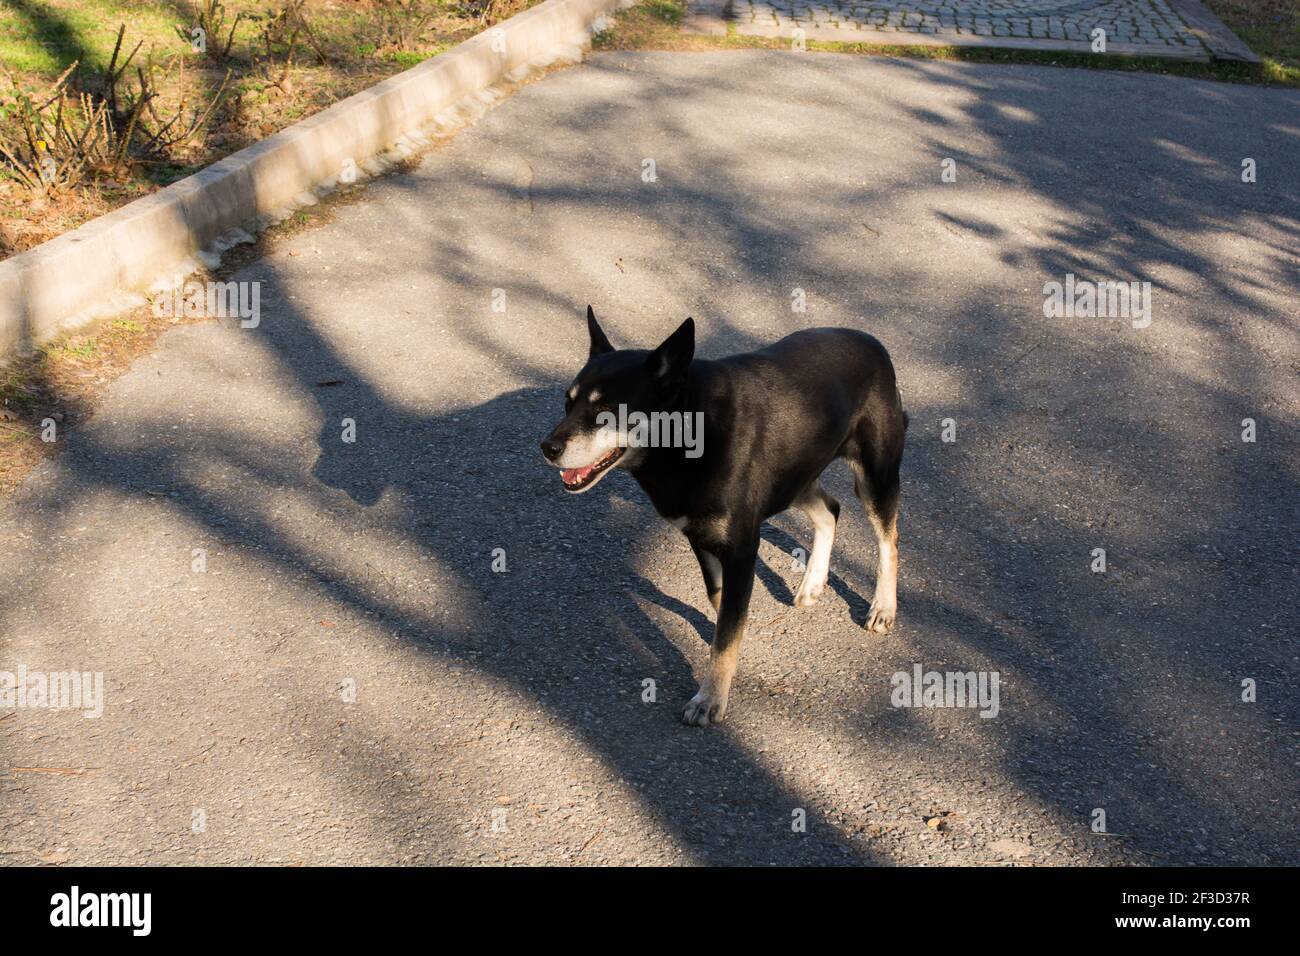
<point>571,476</point>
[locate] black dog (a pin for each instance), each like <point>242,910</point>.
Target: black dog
<point>753,433</point>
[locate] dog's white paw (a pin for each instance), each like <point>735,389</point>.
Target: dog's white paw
<point>808,593</point>
<point>705,708</point>
<point>881,618</point>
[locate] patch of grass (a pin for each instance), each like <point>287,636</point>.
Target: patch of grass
<point>409,58</point>
<point>651,24</point>
<point>405,58</point>
<point>75,349</point>
<point>43,36</point>
<point>1270,27</point>
<point>654,25</point>
<point>671,12</point>
<point>40,39</point>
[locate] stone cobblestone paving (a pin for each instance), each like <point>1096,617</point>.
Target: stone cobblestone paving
<point>1153,27</point>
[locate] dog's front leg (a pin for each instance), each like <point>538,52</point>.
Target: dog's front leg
<point>709,705</point>
<point>711,568</point>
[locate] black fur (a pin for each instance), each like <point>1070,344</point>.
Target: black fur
<point>773,420</point>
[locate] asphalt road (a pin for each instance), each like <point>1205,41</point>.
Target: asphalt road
<point>499,716</point>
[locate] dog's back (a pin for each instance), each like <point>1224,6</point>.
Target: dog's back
<point>784,412</point>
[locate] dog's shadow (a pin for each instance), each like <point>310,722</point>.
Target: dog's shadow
<point>692,615</point>
<point>859,607</point>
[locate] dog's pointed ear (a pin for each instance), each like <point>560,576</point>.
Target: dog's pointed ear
<point>673,357</point>
<point>599,344</point>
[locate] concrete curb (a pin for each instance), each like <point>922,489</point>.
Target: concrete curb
<point>111,263</point>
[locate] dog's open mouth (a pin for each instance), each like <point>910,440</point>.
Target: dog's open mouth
<point>580,479</point>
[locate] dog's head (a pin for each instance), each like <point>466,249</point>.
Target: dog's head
<point>612,385</point>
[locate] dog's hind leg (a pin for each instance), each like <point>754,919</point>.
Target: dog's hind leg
<point>876,484</point>
<point>823,511</point>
